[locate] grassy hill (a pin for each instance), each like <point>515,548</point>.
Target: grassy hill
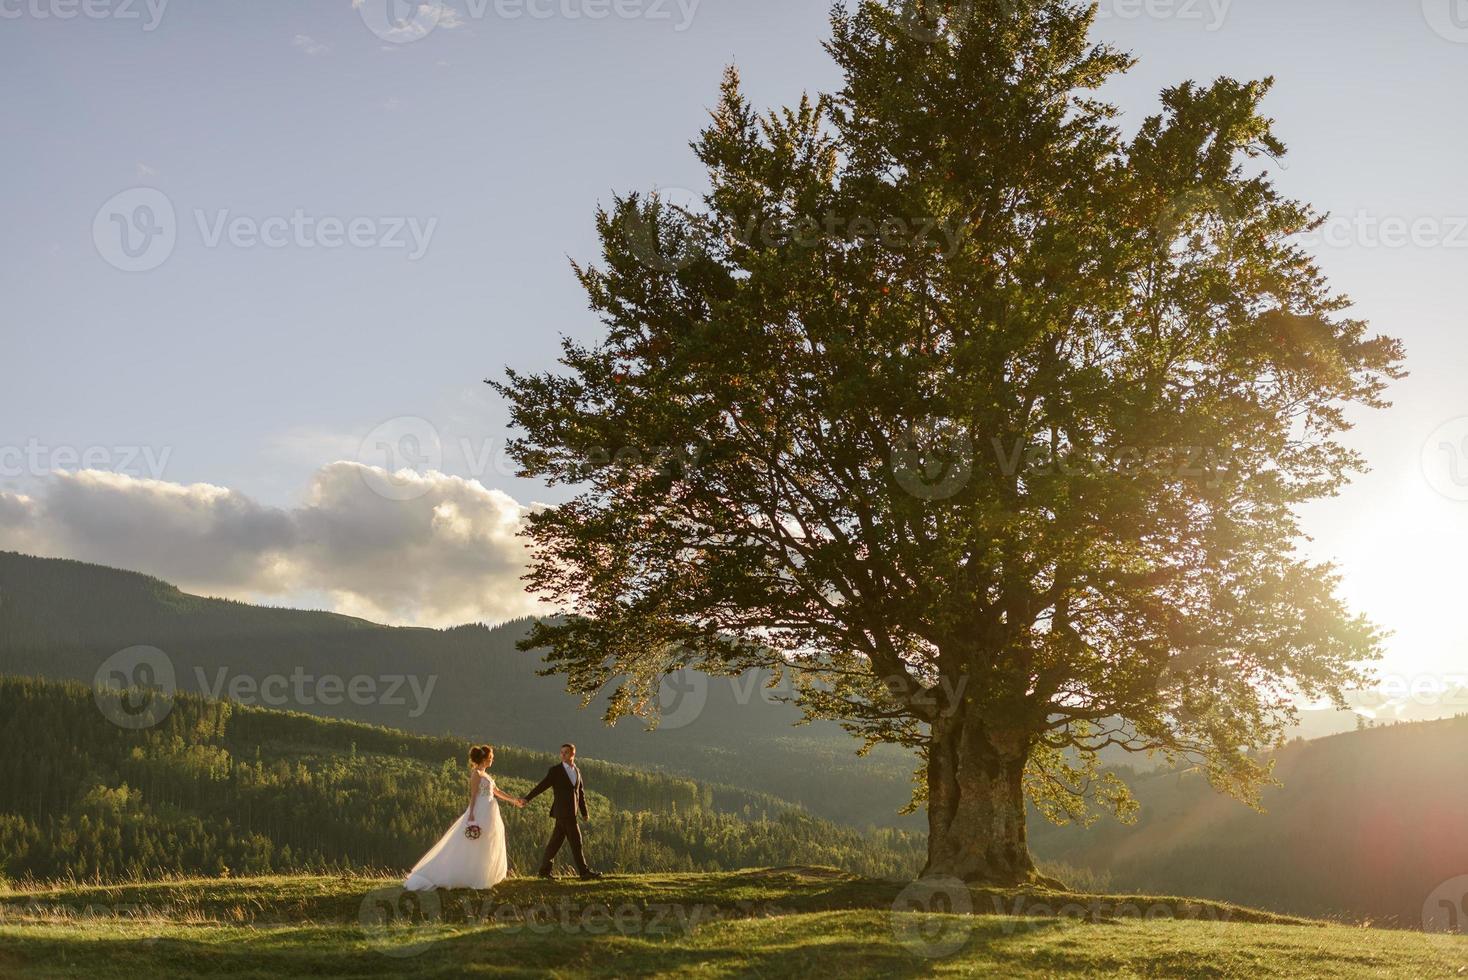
<point>217,788</point>
<point>1366,825</point>
<point>790,922</point>
<point>63,619</point>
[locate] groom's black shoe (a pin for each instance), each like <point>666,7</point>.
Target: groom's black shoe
<point>591,875</point>
<point>546,875</point>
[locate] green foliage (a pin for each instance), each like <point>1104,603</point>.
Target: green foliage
<point>220,789</point>
<point>987,422</point>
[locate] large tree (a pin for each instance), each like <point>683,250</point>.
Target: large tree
<point>983,421</point>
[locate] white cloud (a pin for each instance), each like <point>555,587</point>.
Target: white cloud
<point>310,45</point>
<point>307,445</point>
<point>205,535</point>
<point>422,19</point>
<point>15,509</point>
<point>449,555</point>
<point>448,18</point>
<point>17,521</point>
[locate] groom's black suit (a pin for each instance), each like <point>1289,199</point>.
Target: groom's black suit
<point>567,801</point>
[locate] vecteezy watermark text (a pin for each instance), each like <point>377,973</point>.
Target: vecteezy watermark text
<point>1211,13</point>
<point>404,21</point>
<point>149,12</point>
<point>302,230</point>
<point>402,923</point>
<point>136,688</point>
<point>933,916</point>
<point>308,690</point>
<point>935,459</point>
<point>928,19</point>
<point>35,458</point>
<point>398,453</point>
<point>683,694</point>
<point>1365,229</point>
<point>138,229</point>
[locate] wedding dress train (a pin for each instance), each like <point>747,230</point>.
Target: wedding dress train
<point>458,862</point>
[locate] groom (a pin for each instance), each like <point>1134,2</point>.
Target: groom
<point>569,799</point>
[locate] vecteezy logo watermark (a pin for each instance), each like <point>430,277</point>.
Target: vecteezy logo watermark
<point>933,460</point>
<point>1445,459</point>
<point>397,454</point>
<point>664,233</point>
<point>926,20</point>
<point>300,689</point>
<point>150,12</point>
<point>1446,909</point>
<point>1186,682</point>
<point>402,21</point>
<point>398,922</point>
<point>681,698</point>
<point>137,230</point>
<point>38,459</point>
<point>135,688</point>
<point>1449,18</point>
<point>932,917</point>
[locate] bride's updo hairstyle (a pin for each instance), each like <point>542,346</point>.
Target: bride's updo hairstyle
<point>479,753</point>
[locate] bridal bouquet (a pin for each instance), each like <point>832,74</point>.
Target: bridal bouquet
<point>472,831</point>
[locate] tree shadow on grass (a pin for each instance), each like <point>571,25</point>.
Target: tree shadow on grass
<point>833,944</point>
<point>755,892</point>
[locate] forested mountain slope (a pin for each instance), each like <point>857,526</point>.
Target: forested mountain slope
<point>63,619</point>
<point>218,788</point>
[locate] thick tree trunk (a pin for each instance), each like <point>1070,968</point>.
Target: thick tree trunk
<point>976,804</point>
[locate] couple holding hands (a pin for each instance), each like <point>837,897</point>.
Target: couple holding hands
<point>471,854</point>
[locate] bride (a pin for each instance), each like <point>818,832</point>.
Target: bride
<point>472,853</point>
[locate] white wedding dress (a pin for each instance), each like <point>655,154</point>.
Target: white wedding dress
<point>458,862</point>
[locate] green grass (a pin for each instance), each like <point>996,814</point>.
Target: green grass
<point>772,923</point>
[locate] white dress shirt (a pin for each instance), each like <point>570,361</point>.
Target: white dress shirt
<point>570,771</point>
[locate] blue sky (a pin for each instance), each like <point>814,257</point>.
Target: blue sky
<point>495,134</point>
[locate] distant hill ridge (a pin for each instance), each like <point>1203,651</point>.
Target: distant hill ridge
<point>63,619</point>
<point>215,788</point>
<point>1367,823</point>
